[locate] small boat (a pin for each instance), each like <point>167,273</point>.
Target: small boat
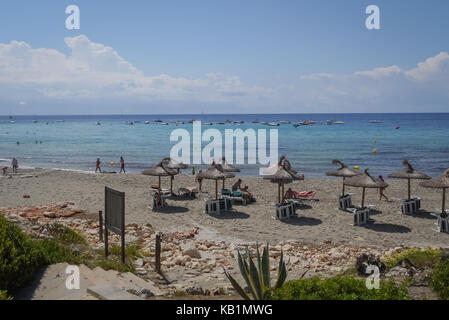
<point>296,125</point>
<point>12,122</point>
<point>98,123</point>
<point>284,122</point>
<point>375,121</point>
<point>330,122</point>
<point>147,122</point>
<point>228,121</point>
<point>221,123</point>
<point>273,124</point>
<point>208,123</point>
<point>339,122</point>
<point>158,120</point>
<point>164,123</point>
<point>255,121</point>
<point>239,122</point>
<point>129,123</point>
<point>34,121</point>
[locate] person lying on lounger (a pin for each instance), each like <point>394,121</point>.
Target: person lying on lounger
<point>290,194</point>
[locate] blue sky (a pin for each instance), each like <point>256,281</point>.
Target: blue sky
<point>245,56</point>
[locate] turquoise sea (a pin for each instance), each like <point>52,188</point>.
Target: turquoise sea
<point>74,142</point>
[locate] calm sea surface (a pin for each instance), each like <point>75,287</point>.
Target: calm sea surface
<point>74,142</point>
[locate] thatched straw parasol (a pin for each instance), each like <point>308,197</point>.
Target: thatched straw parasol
<point>343,171</point>
<point>214,174</point>
<point>442,182</point>
<point>364,180</point>
<point>226,167</point>
<point>173,164</point>
<point>409,173</point>
<point>283,174</point>
<point>160,170</point>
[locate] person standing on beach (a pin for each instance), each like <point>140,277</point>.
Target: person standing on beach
<point>122,165</point>
<point>381,190</point>
<point>14,164</point>
<point>199,179</point>
<point>97,165</point>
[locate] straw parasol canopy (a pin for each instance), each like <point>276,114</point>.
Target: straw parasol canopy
<point>160,170</point>
<point>213,173</point>
<point>364,180</point>
<point>409,173</point>
<point>441,182</point>
<point>283,174</point>
<point>173,164</point>
<point>226,167</point>
<point>343,171</point>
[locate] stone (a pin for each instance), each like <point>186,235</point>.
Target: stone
<point>192,253</point>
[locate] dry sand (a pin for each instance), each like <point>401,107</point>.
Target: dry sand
<point>319,221</point>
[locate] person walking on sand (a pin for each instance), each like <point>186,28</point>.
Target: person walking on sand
<point>97,165</point>
<point>14,164</point>
<point>381,190</point>
<point>199,179</point>
<point>122,165</point>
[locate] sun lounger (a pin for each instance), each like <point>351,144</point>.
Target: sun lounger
<point>234,195</point>
<point>188,192</point>
<point>361,215</point>
<point>411,206</point>
<point>155,188</point>
<point>285,211</point>
<point>345,202</point>
<point>163,204</point>
<point>218,205</point>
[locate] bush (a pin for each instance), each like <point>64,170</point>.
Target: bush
<point>21,257</point>
<point>4,296</point>
<point>440,279</point>
<point>419,258</point>
<point>339,288</point>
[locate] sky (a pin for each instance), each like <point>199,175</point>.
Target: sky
<point>223,56</point>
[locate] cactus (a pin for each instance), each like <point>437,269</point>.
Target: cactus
<point>258,277</point>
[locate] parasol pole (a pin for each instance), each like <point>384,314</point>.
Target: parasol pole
<point>444,201</point>
<point>171,184</point>
<point>216,189</point>
<point>223,183</point>
<point>159,182</point>
<point>283,192</point>
<point>279,192</point>
<point>343,189</point>
<point>409,189</point>
<point>363,198</point>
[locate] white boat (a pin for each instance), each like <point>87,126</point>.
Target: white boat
<point>284,122</point>
<point>339,122</point>
<point>208,123</point>
<point>375,121</point>
<point>12,122</point>
<point>147,122</point>
<point>273,124</point>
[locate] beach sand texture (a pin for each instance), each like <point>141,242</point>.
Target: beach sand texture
<point>319,221</point>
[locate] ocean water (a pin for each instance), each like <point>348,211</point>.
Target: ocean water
<point>76,142</point>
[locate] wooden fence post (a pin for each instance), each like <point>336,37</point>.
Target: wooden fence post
<point>158,253</point>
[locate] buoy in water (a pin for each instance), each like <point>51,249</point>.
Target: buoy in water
<point>356,168</point>
<point>112,163</point>
<point>375,140</point>
<point>374,150</point>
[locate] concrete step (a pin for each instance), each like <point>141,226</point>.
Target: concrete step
<point>108,292</point>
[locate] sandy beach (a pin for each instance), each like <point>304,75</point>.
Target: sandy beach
<point>319,221</point>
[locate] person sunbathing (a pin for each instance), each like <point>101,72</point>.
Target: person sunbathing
<point>248,196</point>
<point>237,185</point>
<point>290,194</point>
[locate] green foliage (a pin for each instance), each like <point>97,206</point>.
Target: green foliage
<point>339,288</point>
<point>440,279</point>
<point>4,295</point>
<point>420,258</point>
<point>258,278</point>
<point>179,293</point>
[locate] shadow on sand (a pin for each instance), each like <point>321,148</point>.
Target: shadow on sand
<point>303,221</point>
<point>423,214</point>
<point>388,227</point>
<point>228,215</point>
<point>171,209</point>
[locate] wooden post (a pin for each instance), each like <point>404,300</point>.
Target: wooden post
<point>100,222</point>
<point>106,242</point>
<point>409,189</point>
<point>223,183</point>
<point>279,192</point>
<point>171,184</point>
<point>159,182</point>
<point>363,198</point>
<point>216,189</point>
<point>123,233</point>
<point>158,253</point>
<point>343,189</point>
<point>444,201</point>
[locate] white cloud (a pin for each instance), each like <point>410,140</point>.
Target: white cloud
<point>94,72</point>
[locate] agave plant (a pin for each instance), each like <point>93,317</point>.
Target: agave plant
<point>258,278</point>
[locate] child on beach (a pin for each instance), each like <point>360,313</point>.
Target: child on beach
<point>122,165</point>
<point>381,190</point>
<point>14,164</point>
<point>97,165</point>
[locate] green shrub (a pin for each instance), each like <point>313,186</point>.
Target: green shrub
<point>420,258</point>
<point>21,256</point>
<point>339,288</point>
<point>4,295</point>
<point>440,279</point>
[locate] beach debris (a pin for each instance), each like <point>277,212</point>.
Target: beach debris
<point>26,196</point>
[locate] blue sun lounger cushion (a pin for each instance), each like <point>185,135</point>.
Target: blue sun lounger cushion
<point>226,192</point>
<point>237,194</point>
